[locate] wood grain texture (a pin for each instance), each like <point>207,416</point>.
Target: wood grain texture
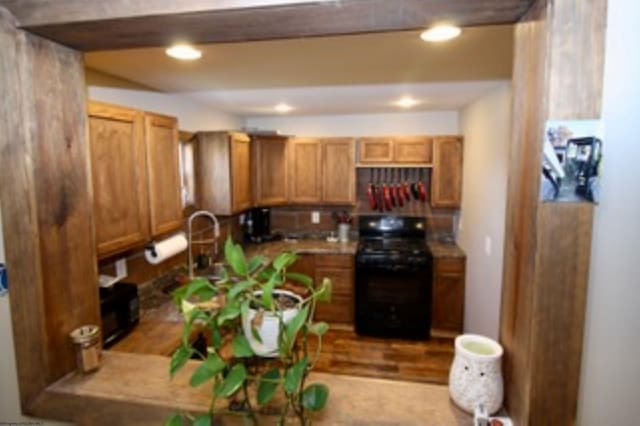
<point>213,172</point>
<point>118,163</point>
<point>148,396</point>
<point>305,171</point>
<point>338,171</point>
<point>446,176</point>
<point>413,149</point>
<point>375,150</point>
<point>241,193</point>
<point>447,314</point>
<point>125,24</point>
<point>47,204</point>
<point>270,161</point>
<point>163,171</point>
<point>547,246</point>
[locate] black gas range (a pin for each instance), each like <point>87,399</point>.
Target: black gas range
<point>393,278</point>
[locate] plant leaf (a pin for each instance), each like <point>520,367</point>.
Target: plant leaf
<point>301,278</point>
<point>266,273</point>
<point>256,334</point>
<point>267,290</point>
<point>315,396</point>
<point>255,263</point>
<point>268,385</point>
<point>296,323</point>
<point>173,420</point>
<point>202,288</point>
<point>293,376</point>
<point>283,260</point>
<point>179,359</point>
<point>241,347</point>
<point>324,295</point>
<point>178,295</point>
<point>203,420</point>
<point>235,257</point>
<point>232,382</point>
<point>207,370</point>
<point>229,312</point>
<point>319,328</point>
<point>239,288</point>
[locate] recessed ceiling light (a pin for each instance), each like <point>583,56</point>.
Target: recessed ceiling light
<point>440,33</point>
<point>406,102</point>
<point>184,52</point>
<point>282,107</point>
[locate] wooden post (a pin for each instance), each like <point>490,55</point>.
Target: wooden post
<point>46,203</point>
<point>559,46</point>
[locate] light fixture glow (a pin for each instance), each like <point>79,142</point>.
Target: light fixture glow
<point>406,102</point>
<point>283,107</point>
<point>184,52</point>
<point>440,33</point>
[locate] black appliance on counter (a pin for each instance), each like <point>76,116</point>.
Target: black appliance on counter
<point>393,278</point>
<point>120,311</point>
<point>257,225</point>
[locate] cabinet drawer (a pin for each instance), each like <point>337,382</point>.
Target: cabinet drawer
<point>341,279</point>
<point>335,260</point>
<point>449,265</point>
<point>412,150</point>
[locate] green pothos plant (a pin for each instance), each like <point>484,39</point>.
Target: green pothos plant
<point>232,312</point>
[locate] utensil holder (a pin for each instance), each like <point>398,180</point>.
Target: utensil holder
<point>343,232</point>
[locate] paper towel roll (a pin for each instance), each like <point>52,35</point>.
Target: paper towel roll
<point>165,249</point>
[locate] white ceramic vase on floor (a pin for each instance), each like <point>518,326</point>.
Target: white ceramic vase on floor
<point>476,373</point>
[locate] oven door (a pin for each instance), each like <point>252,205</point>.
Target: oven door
<point>393,300</point>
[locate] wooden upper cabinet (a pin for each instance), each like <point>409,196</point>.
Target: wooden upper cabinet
<point>270,166</point>
<point>446,177</point>
<point>376,150</point>
<point>305,170</point>
<point>241,172</point>
<point>396,149</point>
<point>223,172</point>
<point>118,164</point>
<point>163,171</point>
<point>338,171</point>
<point>412,149</point>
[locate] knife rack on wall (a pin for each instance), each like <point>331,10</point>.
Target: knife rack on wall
<point>401,190</point>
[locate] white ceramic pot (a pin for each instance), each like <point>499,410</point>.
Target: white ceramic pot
<point>269,330</point>
<point>476,373</point>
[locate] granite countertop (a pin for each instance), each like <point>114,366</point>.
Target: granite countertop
<point>302,246</point>
<point>443,248</point>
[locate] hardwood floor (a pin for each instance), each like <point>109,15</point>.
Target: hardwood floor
<point>344,352</point>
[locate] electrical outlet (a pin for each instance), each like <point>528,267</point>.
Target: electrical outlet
<point>487,245</point>
<point>315,217</point>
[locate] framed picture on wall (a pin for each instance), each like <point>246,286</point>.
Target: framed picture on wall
<point>572,161</point>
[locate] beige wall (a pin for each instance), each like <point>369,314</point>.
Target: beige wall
<point>409,123</point>
<point>9,397</point>
<point>486,125</point>
<point>610,382</point>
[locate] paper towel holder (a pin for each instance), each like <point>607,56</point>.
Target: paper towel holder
<point>191,242</point>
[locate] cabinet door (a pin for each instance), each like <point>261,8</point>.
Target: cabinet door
<point>412,149</point>
<point>338,171</point>
<point>376,150</point>
<point>446,177</point>
<point>163,169</point>
<point>341,307</point>
<point>305,163</point>
<point>240,172</point>
<point>448,296</point>
<point>270,165</point>
<point>116,137</point>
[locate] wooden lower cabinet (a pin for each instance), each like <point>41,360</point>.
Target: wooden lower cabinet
<point>447,315</point>
<point>340,269</point>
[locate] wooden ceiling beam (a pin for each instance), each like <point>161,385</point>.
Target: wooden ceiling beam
<point>120,24</point>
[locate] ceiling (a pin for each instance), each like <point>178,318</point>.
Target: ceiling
<point>325,75</point>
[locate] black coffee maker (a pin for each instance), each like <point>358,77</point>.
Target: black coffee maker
<point>257,225</point>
